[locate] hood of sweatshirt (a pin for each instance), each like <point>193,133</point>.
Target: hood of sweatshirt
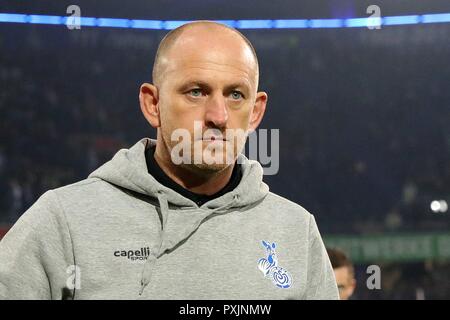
<point>128,169</point>
<point>180,217</point>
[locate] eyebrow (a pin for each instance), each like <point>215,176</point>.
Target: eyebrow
<point>202,84</point>
<point>185,85</point>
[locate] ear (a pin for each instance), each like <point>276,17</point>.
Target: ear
<point>352,286</point>
<point>148,99</point>
<point>258,111</point>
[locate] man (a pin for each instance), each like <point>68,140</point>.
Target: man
<point>183,217</point>
<point>344,273</point>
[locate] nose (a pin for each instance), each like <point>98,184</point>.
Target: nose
<point>216,114</point>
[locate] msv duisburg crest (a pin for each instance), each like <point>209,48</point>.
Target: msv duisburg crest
<point>271,269</point>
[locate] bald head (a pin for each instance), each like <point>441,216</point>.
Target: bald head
<point>177,42</point>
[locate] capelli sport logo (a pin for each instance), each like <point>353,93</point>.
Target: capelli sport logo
<point>134,255</point>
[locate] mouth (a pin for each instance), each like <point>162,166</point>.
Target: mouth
<point>217,139</point>
<point>214,138</point>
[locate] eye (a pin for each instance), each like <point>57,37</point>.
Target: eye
<point>236,95</point>
<point>195,92</point>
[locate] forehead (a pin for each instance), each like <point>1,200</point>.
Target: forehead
<point>206,54</point>
<point>209,72</point>
<point>342,274</point>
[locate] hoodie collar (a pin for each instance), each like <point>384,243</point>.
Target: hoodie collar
<point>128,169</point>
<point>155,170</point>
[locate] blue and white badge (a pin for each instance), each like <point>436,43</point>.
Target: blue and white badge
<point>270,268</point>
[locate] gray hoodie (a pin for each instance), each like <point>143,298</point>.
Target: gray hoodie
<point>120,234</point>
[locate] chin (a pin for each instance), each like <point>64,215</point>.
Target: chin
<point>210,168</point>
<point>215,164</point>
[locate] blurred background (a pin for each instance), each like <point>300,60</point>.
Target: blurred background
<point>363,116</point>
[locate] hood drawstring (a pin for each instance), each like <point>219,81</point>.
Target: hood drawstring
<point>151,260</point>
<point>164,206</point>
<point>223,208</point>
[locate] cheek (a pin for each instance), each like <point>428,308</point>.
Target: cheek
<point>174,115</point>
<point>239,118</point>
<point>168,121</point>
<point>180,128</point>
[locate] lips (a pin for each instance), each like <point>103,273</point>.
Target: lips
<point>214,139</point>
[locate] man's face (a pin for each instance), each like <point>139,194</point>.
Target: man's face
<point>210,81</point>
<point>345,282</point>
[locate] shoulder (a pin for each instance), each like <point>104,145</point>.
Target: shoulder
<point>283,204</point>
<point>279,208</point>
<point>83,194</point>
<point>89,189</point>
<point>79,186</point>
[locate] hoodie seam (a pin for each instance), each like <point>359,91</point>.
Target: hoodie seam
<point>129,180</point>
<point>80,183</point>
<point>305,296</point>
<point>63,213</point>
<point>320,278</point>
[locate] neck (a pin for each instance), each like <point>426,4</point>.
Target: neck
<point>193,179</point>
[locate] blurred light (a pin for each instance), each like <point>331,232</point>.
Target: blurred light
<point>436,18</point>
<point>172,24</point>
<point>88,22</point>
<point>13,18</point>
<point>115,23</point>
<point>326,23</point>
<point>254,24</point>
<point>356,22</point>
<point>396,20</point>
<point>230,23</point>
<point>147,24</point>
<point>363,22</point>
<point>239,24</point>
<point>439,206</point>
<point>435,206</point>
<point>293,24</point>
<point>41,19</point>
<point>374,22</point>
<point>444,206</point>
